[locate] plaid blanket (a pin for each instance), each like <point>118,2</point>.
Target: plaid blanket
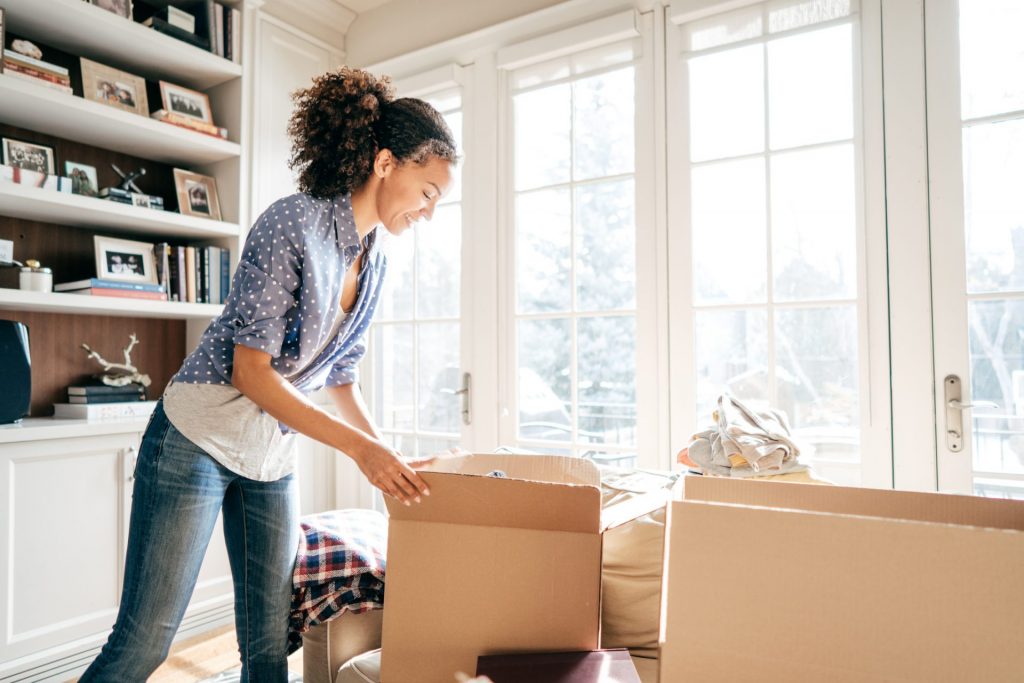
<point>340,566</point>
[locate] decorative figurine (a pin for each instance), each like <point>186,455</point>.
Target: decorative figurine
<point>119,374</point>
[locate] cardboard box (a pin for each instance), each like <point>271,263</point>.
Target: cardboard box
<point>502,564</point>
<point>782,582</point>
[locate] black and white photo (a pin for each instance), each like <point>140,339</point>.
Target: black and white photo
<point>29,156</point>
<point>197,194</point>
<point>124,260</point>
<point>185,102</point>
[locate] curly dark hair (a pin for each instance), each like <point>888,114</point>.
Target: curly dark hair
<point>346,117</point>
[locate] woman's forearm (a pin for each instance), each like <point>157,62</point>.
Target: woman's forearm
<point>349,400</point>
<point>273,393</point>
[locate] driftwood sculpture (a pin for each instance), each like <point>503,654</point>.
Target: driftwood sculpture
<point>119,374</point>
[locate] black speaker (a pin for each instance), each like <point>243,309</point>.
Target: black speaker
<point>15,372</point>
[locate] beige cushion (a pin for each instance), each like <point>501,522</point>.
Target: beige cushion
<point>632,566</point>
<point>365,668</point>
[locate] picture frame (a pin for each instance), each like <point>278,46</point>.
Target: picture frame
<point>83,178</point>
<point>30,156</point>
<point>113,87</point>
<point>122,8</point>
<point>3,38</point>
<point>181,101</point>
<point>197,194</point>
<point>124,260</point>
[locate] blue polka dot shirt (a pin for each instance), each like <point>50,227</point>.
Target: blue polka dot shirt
<point>286,296</point>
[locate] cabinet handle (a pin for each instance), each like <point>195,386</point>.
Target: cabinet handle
<point>133,458</point>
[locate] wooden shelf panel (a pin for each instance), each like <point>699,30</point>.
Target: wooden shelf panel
<point>57,302</point>
<point>82,29</point>
<point>48,206</point>
<point>36,107</point>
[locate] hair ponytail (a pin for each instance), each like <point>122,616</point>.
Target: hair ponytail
<point>345,118</point>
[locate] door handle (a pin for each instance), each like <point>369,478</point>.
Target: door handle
<point>466,392</point>
<point>955,407</point>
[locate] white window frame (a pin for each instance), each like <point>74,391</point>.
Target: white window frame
<point>872,306</point>
<point>651,355</point>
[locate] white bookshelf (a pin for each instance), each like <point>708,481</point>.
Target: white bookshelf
<point>82,29</point>
<point>28,105</point>
<point>84,304</point>
<point>37,428</point>
<point>37,204</point>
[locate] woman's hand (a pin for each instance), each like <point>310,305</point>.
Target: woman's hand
<point>386,469</point>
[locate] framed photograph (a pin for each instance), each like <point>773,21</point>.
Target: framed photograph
<point>29,156</point>
<point>124,260</point>
<point>122,8</point>
<point>197,194</point>
<point>2,38</point>
<point>113,87</point>
<point>83,178</point>
<point>185,102</point>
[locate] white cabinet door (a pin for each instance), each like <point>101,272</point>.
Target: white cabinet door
<point>62,540</point>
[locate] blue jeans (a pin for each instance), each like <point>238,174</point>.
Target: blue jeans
<point>179,490</point>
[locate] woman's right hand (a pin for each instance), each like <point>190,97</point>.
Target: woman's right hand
<point>386,469</point>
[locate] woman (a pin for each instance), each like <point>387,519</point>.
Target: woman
<point>306,288</point>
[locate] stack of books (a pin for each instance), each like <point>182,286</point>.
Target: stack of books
<point>190,123</point>
<point>194,274</point>
<point>37,71</point>
<point>104,393</point>
<point>100,287</point>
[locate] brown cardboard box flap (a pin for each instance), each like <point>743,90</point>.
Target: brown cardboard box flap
<point>554,469</point>
<point>508,503</point>
<point>632,508</point>
<point>779,594</point>
<point>943,508</point>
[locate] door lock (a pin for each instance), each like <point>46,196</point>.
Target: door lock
<point>952,392</point>
<point>466,392</point>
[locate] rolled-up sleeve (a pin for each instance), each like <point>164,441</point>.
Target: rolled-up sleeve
<point>266,282</point>
<point>346,369</point>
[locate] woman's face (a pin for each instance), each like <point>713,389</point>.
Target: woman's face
<point>409,192</point>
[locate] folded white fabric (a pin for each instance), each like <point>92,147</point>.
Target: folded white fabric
<point>745,442</point>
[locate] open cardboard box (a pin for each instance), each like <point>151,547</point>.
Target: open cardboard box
<point>503,557</point>
<point>780,582</point>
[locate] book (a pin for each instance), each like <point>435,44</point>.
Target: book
<point>93,399</point>
<point>104,411</point>
<point>190,274</point>
<point>214,271</point>
<point>10,56</point>
<point>107,284</point>
<point>120,293</point>
<point>218,18</point>
<point>162,26</point>
<point>161,253</point>
<point>206,275</point>
<point>100,389</point>
<point>186,122</point>
<point>46,84</point>
<point>181,274</point>
<point>225,274</point>
<point>11,67</point>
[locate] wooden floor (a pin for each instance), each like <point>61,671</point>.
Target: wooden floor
<point>207,655</point>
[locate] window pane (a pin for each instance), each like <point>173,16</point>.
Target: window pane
<point>605,245</point>
<point>726,97</point>
<point>393,350</point>
<point>438,353</point>
<point>997,375</point>
<point>607,380</point>
<point>543,234</point>
<point>438,264</point>
<point>784,15</point>
<point>991,57</point>
<point>731,356</point>
<point>603,132</point>
<point>428,446</point>
<point>817,378</point>
<point>396,296</point>
<point>810,87</point>
<point>544,376</point>
<point>814,247</point>
<point>543,119</point>
<point>729,241</point>
<point>994,206</point>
